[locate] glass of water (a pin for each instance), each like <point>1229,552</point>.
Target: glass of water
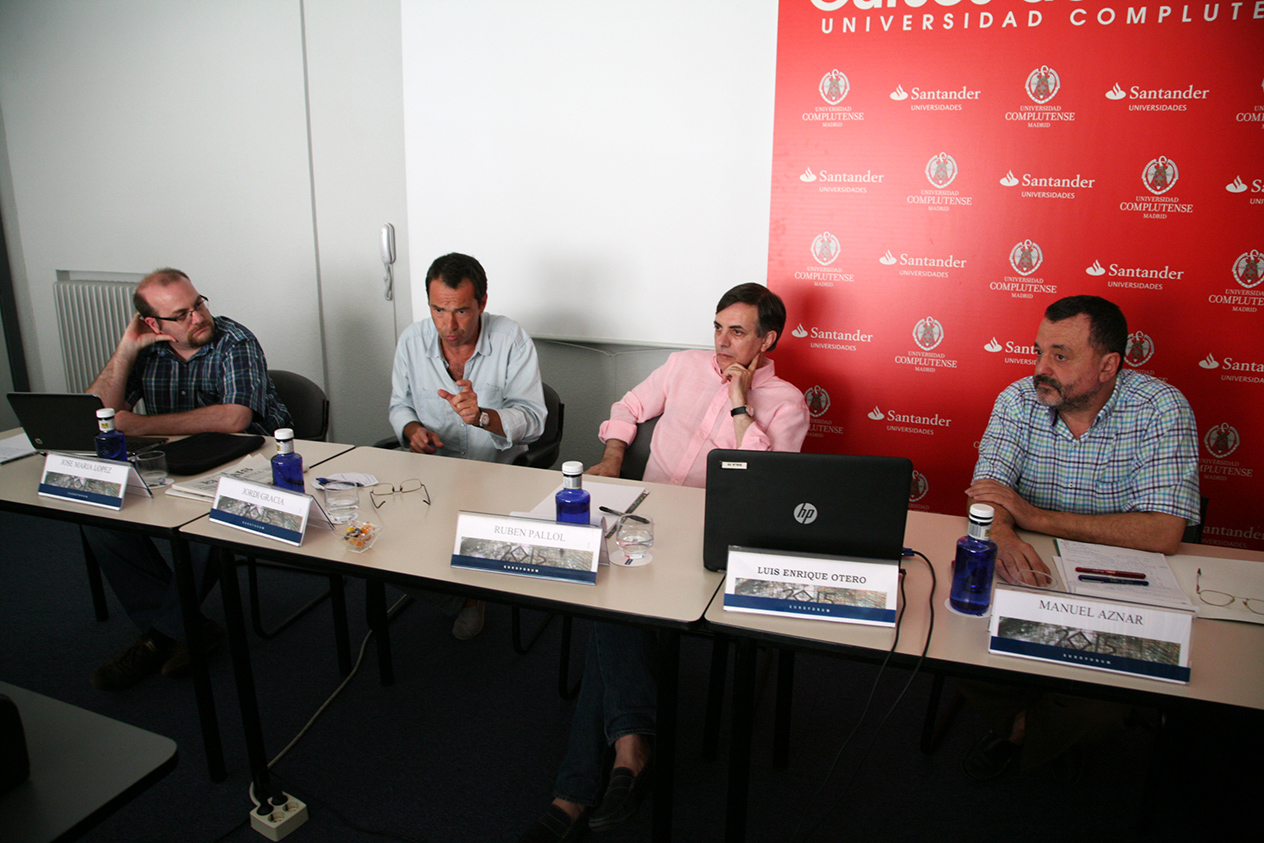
<point>152,467</point>
<point>342,502</point>
<point>635,537</point>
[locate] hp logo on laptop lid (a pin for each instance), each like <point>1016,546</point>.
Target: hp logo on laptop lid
<point>805,513</point>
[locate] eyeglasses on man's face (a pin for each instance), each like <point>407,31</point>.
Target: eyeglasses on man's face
<point>183,316</point>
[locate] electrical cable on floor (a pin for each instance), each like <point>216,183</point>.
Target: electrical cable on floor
<point>930,629</point>
<point>404,600</point>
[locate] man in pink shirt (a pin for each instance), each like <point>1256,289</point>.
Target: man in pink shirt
<point>729,399</point>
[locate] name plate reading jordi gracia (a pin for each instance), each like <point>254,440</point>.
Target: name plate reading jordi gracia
<point>803,585</point>
<point>527,547</point>
<point>1111,635</point>
<point>265,510</point>
<point>90,480</point>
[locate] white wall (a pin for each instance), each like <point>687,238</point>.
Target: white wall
<point>142,133</point>
<point>609,162</point>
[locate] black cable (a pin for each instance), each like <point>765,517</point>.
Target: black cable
<point>872,691</point>
<point>310,800</point>
<point>930,630</point>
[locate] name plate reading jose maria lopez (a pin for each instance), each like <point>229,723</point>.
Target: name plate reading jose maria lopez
<point>802,585</point>
<point>90,480</point>
<point>1110,635</point>
<point>266,510</point>
<point>527,547</point>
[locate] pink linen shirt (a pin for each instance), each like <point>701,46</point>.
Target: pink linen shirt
<point>693,400</point>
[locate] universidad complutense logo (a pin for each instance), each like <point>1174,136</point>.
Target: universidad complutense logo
<point>825,248</point>
<point>1160,175</point>
<point>1026,257</point>
<point>1247,268</point>
<point>941,170</point>
<point>1043,84</point>
<point>818,401</point>
<point>919,487</point>
<point>1221,440</point>
<point>1140,349</point>
<point>928,333</point>
<point>834,87</point>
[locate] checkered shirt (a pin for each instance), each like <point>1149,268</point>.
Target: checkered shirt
<point>1140,454</point>
<point>230,370</point>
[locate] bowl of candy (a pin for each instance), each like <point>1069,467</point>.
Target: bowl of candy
<point>359,536</point>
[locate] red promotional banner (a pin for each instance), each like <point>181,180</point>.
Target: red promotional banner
<point>943,170</point>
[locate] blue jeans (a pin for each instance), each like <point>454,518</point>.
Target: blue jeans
<point>618,697</point>
<point>144,582</point>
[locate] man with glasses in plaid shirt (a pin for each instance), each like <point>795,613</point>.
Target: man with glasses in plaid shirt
<point>1083,451</point>
<point>196,373</point>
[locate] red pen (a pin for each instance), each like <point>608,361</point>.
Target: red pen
<point>1133,575</point>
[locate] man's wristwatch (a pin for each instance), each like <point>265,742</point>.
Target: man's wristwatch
<point>741,411</point>
<point>484,418</point>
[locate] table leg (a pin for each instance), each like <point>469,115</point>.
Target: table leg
<point>665,728</point>
<point>715,698</point>
<point>247,699</point>
<point>375,607</point>
<point>740,744</point>
<point>192,615</point>
<point>785,699</point>
<point>342,638</point>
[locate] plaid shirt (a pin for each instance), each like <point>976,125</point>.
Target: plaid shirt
<point>229,370</point>
<point>1140,454</point>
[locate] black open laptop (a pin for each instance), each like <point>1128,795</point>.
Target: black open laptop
<point>811,503</point>
<point>65,421</point>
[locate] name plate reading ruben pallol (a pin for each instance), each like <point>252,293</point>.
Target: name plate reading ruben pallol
<point>265,510</point>
<point>527,547</point>
<point>86,480</point>
<point>1150,641</point>
<point>802,585</point>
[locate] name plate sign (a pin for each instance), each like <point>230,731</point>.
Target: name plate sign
<point>527,547</point>
<point>89,480</point>
<point>1109,635</point>
<point>803,585</point>
<point>265,510</point>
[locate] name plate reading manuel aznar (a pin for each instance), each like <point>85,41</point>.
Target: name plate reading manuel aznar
<point>527,547</point>
<point>1111,635</point>
<point>266,510</point>
<point>802,585</point>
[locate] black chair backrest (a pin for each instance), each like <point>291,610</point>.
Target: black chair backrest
<point>307,403</point>
<point>542,453</point>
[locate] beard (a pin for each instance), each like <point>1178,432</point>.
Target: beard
<point>204,335</point>
<point>1063,401</point>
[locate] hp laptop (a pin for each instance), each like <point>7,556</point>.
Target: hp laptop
<point>810,503</point>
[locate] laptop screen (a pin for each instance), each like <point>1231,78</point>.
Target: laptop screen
<point>810,503</point>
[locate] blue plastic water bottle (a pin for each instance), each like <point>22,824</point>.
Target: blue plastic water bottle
<point>573,503</point>
<point>287,466</point>
<point>976,561</point>
<point>111,443</point>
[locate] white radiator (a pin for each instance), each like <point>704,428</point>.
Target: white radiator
<point>91,316</point>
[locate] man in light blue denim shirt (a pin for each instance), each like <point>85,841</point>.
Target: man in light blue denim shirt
<point>466,383</point>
